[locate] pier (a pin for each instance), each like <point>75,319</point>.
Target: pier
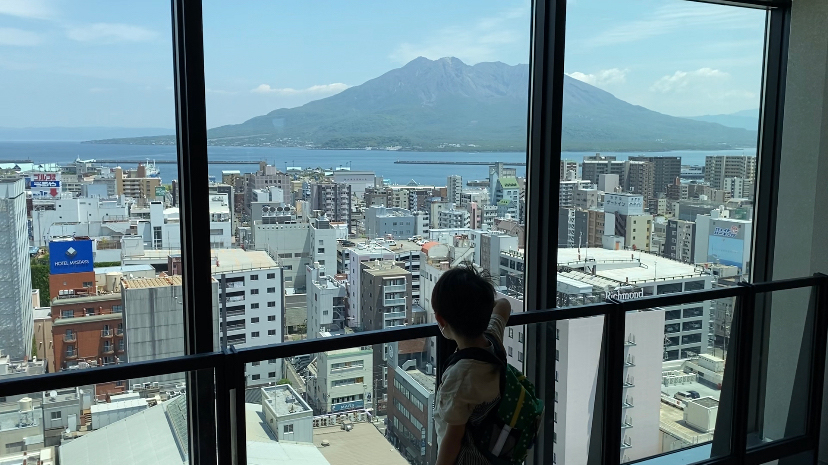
<point>448,162</point>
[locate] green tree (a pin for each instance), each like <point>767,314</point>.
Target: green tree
<point>104,264</point>
<point>34,346</point>
<point>283,381</point>
<point>40,280</point>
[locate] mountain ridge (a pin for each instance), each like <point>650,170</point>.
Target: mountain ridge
<point>445,104</point>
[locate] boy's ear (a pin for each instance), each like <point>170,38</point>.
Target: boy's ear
<point>440,320</point>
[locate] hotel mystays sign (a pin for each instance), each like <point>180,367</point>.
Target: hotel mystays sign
<point>70,257</point>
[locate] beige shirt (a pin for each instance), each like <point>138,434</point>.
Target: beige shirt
<point>467,384</point>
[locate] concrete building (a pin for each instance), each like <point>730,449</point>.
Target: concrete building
<point>573,227</point>
<point>340,380</point>
<point>154,319</point>
<point>587,199</point>
<point>452,218</point>
<point>287,415</point>
<point>680,241</point>
<point>568,166</point>
<point>454,189</point>
<point>16,312</point>
<point>137,186</point>
<point>381,222</point>
<point>636,177</point>
<point>385,302</point>
<point>717,168</point>
<point>739,188</point>
<point>332,199</point>
<point>251,302</point>
<point>61,412</point>
<point>43,336</point>
<point>411,414</point>
<point>94,217</point>
<point>577,352</point>
<point>296,246</point>
<point>326,301</point>
<point>625,211</point>
<point>665,171</point>
<point>357,181</point>
<point>487,248</point>
<point>609,183</point>
<point>265,177</point>
<point>21,430</point>
<point>568,188</point>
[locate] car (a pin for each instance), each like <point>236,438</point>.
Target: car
<point>694,394</point>
<point>683,396</point>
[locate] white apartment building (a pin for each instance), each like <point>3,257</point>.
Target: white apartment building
<point>566,194</point>
<point>297,245</point>
<point>16,312</point>
<point>326,297</point>
<point>739,188</point>
<point>357,180</point>
<point>164,230</point>
<point>452,218</point>
<point>287,415</point>
<point>251,301</point>
<point>341,380</point>
<point>722,240</point>
<point>381,222</point>
<point>577,353</point>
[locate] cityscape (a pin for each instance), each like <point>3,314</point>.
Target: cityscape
<point>93,278</point>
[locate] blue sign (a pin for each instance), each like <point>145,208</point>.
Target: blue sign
<point>70,257</point>
<point>47,184</point>
<point>353,405</point>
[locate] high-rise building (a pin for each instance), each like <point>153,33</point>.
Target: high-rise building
<point>739,188</point>
<point>16,312</point>
<point>680,241</point>
<point>266,176</point>
<point>566,194</point>
<point>452,218</point>
<point>454,187</point>
<point>568,166</point>
<point>717,168</point>
<point>639,179</point>
<point>326,298</point>
<point>297,245</point>
<point>332,199</point>
<point>665,171</point>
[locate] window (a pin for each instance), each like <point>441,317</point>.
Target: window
<point>54,415</point>
<point>254,277</point>
<point>256,377</point>
<point>320,250</point>
<point>510,350</point>
<point>272,361</point>
<point>511,333</point>
<point>520,336</point>
<point>254,334</point>
<point>117,309</point>
<point>255,364</point>
<point>254,291</point>
<point>254,320</point>
<point>271,276</point>
<point>271,304</point>
<point>88,311</point>
<point>271,317</point>
<point>254,305</point>
<point>271,290</point>
<point>271,374</point>
<point>67,313</point>
<point>520,356</point>
<point>271,332</point>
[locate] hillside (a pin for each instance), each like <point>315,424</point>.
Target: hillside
<point>447,105</point>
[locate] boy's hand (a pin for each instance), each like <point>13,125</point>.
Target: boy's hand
<point>503,308</point>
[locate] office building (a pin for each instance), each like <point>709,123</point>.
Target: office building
<point>333,200</point>
<point>587,199</point>
<point>723,240</point>
<point>340,380</point>
<point>680,240</point>
<point>411,413</point>
<point>265,177</point>
<point>568,189</point>
<point>717,168</point>
<point>16,313</point>
<point>327,295</point>
<point>573,227</point>
<point>138,186</point>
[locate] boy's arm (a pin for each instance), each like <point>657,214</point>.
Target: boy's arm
<point>450,447</point>
<point>503,309</point>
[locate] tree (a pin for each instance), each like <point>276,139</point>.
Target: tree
<point>40,278</point>
<point>283,381</point>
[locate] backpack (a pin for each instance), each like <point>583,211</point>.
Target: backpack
<point>509,429</point>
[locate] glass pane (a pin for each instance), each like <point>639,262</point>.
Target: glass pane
<point>78,424</point>
<point>350,185</point>
<point>83,211</point>
<point>787,370</point>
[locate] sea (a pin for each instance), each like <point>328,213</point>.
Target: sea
<point>381,162</point>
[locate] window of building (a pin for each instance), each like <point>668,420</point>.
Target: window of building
<point>55,415</point>
<point>520,356</point>
<point>509,349</point>
<point>67,313</point>
<point>271,374</point>
<point>254,334</point>
<point>320,250</point>
<point>254,291</point>
<point>254,305</point>
<point>271,276</point>
<point>254,320</point>
<point>511,333</point>
<point>256,377</point>
<point>271,304</point>
<point>271,332</point>
<point>89,311</point>
<point>271,317</point>
<point>254,277</point>
<point>272,361</point>
<point>520,336</point>
<point>271,290</point>
<point>255,364</point>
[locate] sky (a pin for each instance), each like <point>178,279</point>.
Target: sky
<point>103,63</point>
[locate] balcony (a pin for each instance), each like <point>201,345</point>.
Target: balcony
<point>120,349</point>
<point>110,349</point>
<point>395,288</point>
<point>394,302</point>
<point>70,355</point>
<point>70,337</point>
<point>107,333</point>
<point>119,331</point>
<point>394,315</point>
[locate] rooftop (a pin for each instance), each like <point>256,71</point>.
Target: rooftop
<point>123,269</point>
<point>263,448</point>
<point>16,420</point>
<point>146,283</point>
<point>640,266</point>
<point>284,400</point>
<point>426,381</point>
<point>229,260</point>
<point>707,402</point>
<point>362,445</point>
<point>74,300</point>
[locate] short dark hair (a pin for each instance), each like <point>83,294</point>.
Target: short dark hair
<point>464,297</point>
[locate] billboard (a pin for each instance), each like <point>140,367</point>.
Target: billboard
<point>45,185</point>
<point>353,405</point>
<point>726,243</point>
<point>70,257</point>
<point>160,191</point>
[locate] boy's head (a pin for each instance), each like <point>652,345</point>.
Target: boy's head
<point>464,298</point>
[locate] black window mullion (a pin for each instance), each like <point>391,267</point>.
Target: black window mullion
<point>543,179</point>
<point>191,138</point>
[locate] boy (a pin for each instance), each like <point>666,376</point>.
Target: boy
<point>465,308</point>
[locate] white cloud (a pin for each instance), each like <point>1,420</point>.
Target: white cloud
<point>676,17</point>
<point>682,81</point>
<point>483,40</point>
<point>18,37</point>
<point>603,77</point>
<point>35,9</point>
<point>110,32</point>
<point>331,89</point>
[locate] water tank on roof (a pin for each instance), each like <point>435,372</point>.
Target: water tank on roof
<point>113,281</point>
<point>25,404</point>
